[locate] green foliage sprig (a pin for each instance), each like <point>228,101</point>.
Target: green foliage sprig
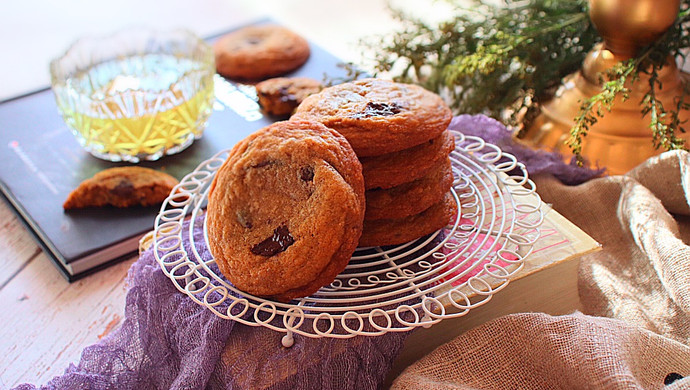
<point>664,121</point>
<point>594,107</point>
<point>506,60</point>
<point>488,57</point>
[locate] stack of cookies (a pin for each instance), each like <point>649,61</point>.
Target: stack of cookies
<point>399,133</point>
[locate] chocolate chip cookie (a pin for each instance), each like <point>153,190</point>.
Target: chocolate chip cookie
<point>383,232</point>
<point>122,187</point>
<point>378,116</point>
<point>285,210</point>
<point>280,96</point>
<point>258,52</point>
<point>393,169</point>
<point>410,198</point>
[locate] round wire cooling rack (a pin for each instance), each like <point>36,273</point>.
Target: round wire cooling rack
<point>383,289</point>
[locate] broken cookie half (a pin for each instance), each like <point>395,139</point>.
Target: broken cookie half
<point>122,187</point>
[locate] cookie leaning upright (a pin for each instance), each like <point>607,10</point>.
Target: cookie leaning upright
<point>258,52</point>
<point>285,210</point>
<point>378,116</point>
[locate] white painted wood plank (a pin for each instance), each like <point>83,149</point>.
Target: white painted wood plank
<point>47,321</point>
<point>17,246</point>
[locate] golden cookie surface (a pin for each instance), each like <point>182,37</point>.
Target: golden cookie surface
<point>280,96</point>
<point>378,116</point>
<point>383,232</point>
<point>285,210</point>
<point>258,52</point>
<point>393,169</point>
<point>122,187</point>
<point>410,198</point>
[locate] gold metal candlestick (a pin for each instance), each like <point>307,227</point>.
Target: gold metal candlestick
<point>622,138</point>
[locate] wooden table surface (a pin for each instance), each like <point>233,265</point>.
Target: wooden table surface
<point>46,321</point>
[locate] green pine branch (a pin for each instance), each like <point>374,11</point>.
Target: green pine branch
<point>595,107</point>
<point>500,60</point>
<point>506,60</point>
<point>664,122</point>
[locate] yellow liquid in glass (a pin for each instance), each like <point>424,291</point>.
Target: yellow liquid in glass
<point>139,108</point>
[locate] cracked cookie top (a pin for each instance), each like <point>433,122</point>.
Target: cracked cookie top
<point>378,116</point>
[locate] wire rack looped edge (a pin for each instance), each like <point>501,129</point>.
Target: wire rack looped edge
<point>391,289</point>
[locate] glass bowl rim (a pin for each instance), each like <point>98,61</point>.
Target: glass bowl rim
<point>205,56</point>
<point>162,35</point>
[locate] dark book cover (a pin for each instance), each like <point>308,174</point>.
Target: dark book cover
<point>42,163</point>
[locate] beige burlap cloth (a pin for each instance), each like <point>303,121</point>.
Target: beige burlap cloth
<point>634,329</point>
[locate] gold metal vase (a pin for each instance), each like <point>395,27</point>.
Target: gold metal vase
<point>622,138</point>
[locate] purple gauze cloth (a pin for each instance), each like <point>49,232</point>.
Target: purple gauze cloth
<point>536,161</point>
<point>167,341</point>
